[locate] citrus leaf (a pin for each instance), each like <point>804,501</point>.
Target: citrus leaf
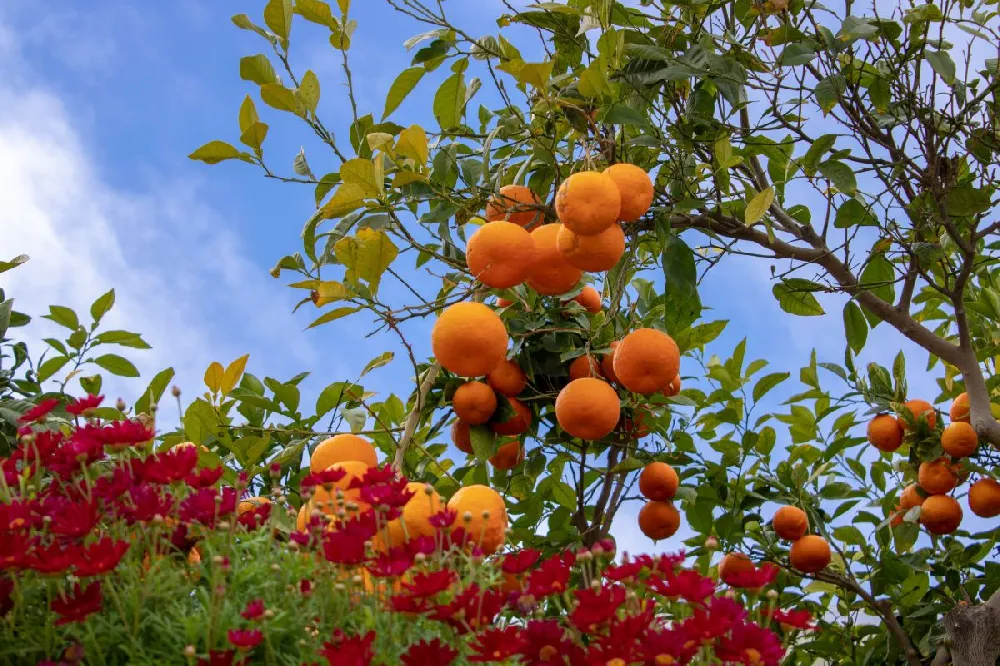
<point>214,152</point>
<point>117,365</point>
<point>401,87</point>
<point>758,206</point>
<point>377,362</point>
<point>449,101</point>
<point>213,376</point>
<point>258,69</point>
<point>233,373</point>
<point>795,297</point>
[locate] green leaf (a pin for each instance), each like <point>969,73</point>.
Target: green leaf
<point>795,297</point>
<point>828,92</point>
<point>942,63</point>
<point>879,277</point>
<point>117,365</point>
<point>853,213</point>
<point>243,22</point>
<point>100,307</point>
<point>257,68</point>
<point>965,201</point>
<point>213,376</point>
<point>309,90</point>
<point>449,101</point>
<point>234,371</point>
<point>758,206</point>
<point>816,151</point>
<point>680,284</point>
<point>63,316</point>
<point>483,441</point>
<point>254,135</point>
<point>13,263</point>
<point>855,327</point>
<point>797,53</point>
<point>413,143</point>
<point>200,422</point>
<point>841,175</point>
<point>401,87</point>
<point>850,535</point>
<point>123,338</point>
<point>314,11</point>
<point>154,391</point>
<point>333,315</point>
<point>51,366</point>
<point>619,114</point>
<point>377,362</point>
<point>279,97</point>
<point>278,17</point>
<point>214,152</point>
<point>248,113</point>
<point>367,255</point>
<point>768,382</point>
<point>630,464</point>
<point>333,395</point>
<point>564,495</point>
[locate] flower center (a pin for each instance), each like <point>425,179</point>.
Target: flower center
<point>547,653</point>
<point>665,660</point>
<point>617,661</point>
<point>753,655</point>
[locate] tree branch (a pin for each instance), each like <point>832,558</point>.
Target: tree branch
<point>413,418</point>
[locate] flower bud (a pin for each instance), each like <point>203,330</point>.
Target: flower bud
<point>189,651</point>
<point>275,469</point>
<point>175,391</point>
<point>467,516</point>
<point>485,514</point>
<point>269,613</point>
<point>711,543</point>
<point>120,404</point>
<point>772,594</point>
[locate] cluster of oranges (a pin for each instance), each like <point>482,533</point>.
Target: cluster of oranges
<point>809,553</point>
<point>470,340</point>
<point>940,513</point>
<point>482,510</point>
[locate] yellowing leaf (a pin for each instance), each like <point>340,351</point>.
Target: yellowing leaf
<point>360,172</point>
<point>366,256</point>
<point>248,114</point>
<point>406,177</point>
<point>214,152</point>
<point>278,17</point>
<point>535,74</point>
<point>279,97</point>
<point>401,87</point>
<point>347,198</point>
<point>233,373</point>
<point>333,315</point>
<point>757,208</point>
<point>328,292</point>
<point>257,68</point>
<point>309,91</point>
<point>413,143</point>
<point>213,376</point>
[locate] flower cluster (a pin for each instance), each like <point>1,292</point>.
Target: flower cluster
<point>87,512</point>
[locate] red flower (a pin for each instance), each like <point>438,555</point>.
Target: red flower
<point>376,476</point>
<point>515,563</point>
<point>305,587</point>
<point>245,639</point>
<point>344,651</point>
<point>623,572</point>
<point>84,405</point>
<point>50,559</point>
<point>545,644</point>
<point>6,592</point>
<point>754,579</point>
<point>690,585</point>
<point>792,619</point>
<point>426,585</point>
<point>434,653</point>
<point>552,576</point>
<point>69,519</point>
<point>347,544</point>
<point>221,658</point>
<point>204,478</point>
<point>38,413</point>
<point>751,645</point>
<point>323,478</point>
<point>100,557</point>
<point>496,645</point>
<point>396,562</point>
<point>443,518</point>
<point>14,550</point>
<point>715,620</point>
<point>77,607</point>
<point>254,610</point>
<point>112,487</point>
<point>421,544</point>
<point>169,466</point>
<point>121,434</point>
<point>393,494</point>
<point>207,505</point>
<point>144,503</point>
<point>471,609</point>
<point>256,517</point>
<point>595,607</point>
<point>669,646</point>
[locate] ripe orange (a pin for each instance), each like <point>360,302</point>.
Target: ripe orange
<point>302,518</point>
<point>960,408</point>
<point>673,388</point>
<point>588,202</point>
<point>588,408</point>
<point>937,477</point>
<point>507,378</point>
<point>469,339</point>
<point>461,437</point>
<point>984,498</point>
<point>341,448</point>
<point>810,554</point>
<point>734,564</point>
<point>584,366</point>
<point>608,363</point>
<point>910,498</point>
<point>511,204</point>
<point>416,515</point>
<point>791,523</point>
<point>590,299</point>
<point>885,433</point>
<point>486,526</point>
<point>551,274</point>
<point>599,252</point>
<point>508,456</point>
<point>919,408</point>
<point>659,520</point>
<point>959,439</point>
<point>636,190</point>
<point>646,361</point>
<point>474,402</point>
<point>518,423</point>
<point>326,500</point>
<point>500,254</point>
<point>941,514</point>
<point>250,503</point>
<point>658,481</point>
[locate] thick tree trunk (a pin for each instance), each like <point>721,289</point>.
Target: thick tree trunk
<point>973,635</point>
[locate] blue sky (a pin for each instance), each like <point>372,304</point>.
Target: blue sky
<point>99,107</point>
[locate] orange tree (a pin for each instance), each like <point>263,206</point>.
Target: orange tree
<point>854,150</point>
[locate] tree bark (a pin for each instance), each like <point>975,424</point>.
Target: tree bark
<point>413,418</point>
<point>974,633</point>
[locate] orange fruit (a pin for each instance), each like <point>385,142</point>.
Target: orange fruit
<point>791,523</point>
<point>327,500</point>
<point>919,408</point>
<point>673,388</point>
<point>302,517</point>
<point>734,564</point>
<point>590,299</point>
<point>508,456</point>
<point>584,366</point>
<point>588,202</point>
<point>599,252</point>
<point>511,204</point>
<point>588,408</point>
<point>885,433</point>
<point>659,520</point>
<point>341,448</point>
<point>500,254</point>
<point>960,408</point>
<point>250,503</point>
<point>959,439</point>
<point>608,363</point>
<point>461,437</point>
<point>910,498</point>
<point>984,498</point>
<point>516,424</point>
<point>810,554</point>
<point>646,361</point>
<point>941,514</point>
<point>486,526</point>
<point>416,515</point>
<point>469,339</point>
<point>634,427</point>
<point>474,402</point>
<point>550,274</point>
<point>937,477</point>
<point>658,481</point>
<point>636,190</point>
<point>507,378</point>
